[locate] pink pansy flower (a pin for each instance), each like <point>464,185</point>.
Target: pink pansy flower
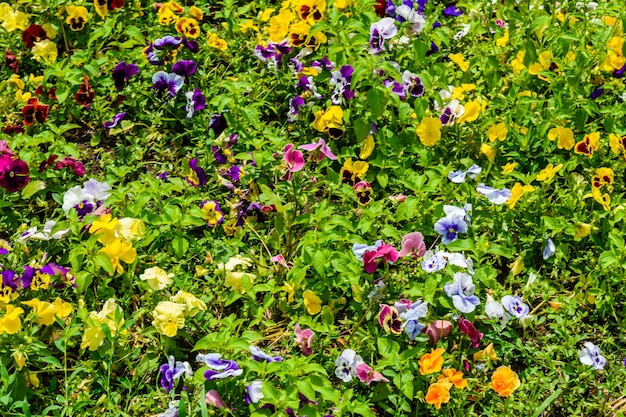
<point>5,149</point>
<point>321,145</point>
<point>413,244</point>
<point>389,319</point>
<point>385,251</point>
<point>438,330</point>
<point>293,158</point>
<point>304,339</point>
<point>368,375</point>
<point>213,398</point>
<point>280,260</point>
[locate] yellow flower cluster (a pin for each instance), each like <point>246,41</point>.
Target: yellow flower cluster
<point>12,19</point>
<point>169,316</point>
<point>294,21</point>
<point>46,312</point>
<point>117,236</point>
<point>111,315</point>
<point>235,279</point>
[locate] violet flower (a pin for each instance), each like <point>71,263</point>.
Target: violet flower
<point>197,176</point>
<point>412,84</point>
<point>597,92</point>
<point>218,124</point>
<point>162,81</point>
<point>196,101</point>
<point>449,227</point>
<point>184,68</point>
<point>515,305</point>
<point>452,11</point>
<point>458,177</point>
<point>220,368</point>
<point>324,150</point>
<point>253,392</point>
<point>493,195</point>
<point>173,370</point>
<point>168,42</point>
<point>116,119</point>
<point>346,363</point>
<point>381,31</point>
<point>294,107</point>
<point>122,73</point>
<point>14,173</point>
<point>341,80</point>
<point>591,355</point>
<point>304,339</point>
<point>468,328</point>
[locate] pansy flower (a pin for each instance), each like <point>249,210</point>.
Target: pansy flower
<point>162,81</point>
<point>468,328</point>
<point>413,244</point>
<point>458,177</point>
<point>76,17</point>
<point>14,173</point>
<point>389,319</point>
<point>196,101</point>
<point>494,195</point>
<point>385,251</point>
<point>515,305</point>
<point>449,227</point>
<point>590,143</point>
<point>34,33</point>
<point>363,191</point>
<point>218,124</point>
<point>85,94</point>
<point>254,392</point>
<point>294,106</point>
<point>359,249</point>
<point>351,171</point>
<point>211,212</point>
<point>294,159</point>
<point>259,356</point>
<point>346,364</point>
<point>591,355</point>
<point>548,250</point>
<point>461,290</point>
<point>324,150</point>
<point>122,73</point>
<point>341,80</point>
<point>304,339</point>
<point>197,176</point>
<point>34,111</point>
<point>173,370</point>
<point>366,374</point>
<point>220,368</point>
<point>184,67</point>
<point>380,32</point>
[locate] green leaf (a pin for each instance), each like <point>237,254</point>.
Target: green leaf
<point>387,347</point>
<point>377,101</point>
<point>382,179</point>
<point>32,188</point>
<point>305,388</point>
<point>103,261</point>
<point>180,245</point>
<point>362,128</point>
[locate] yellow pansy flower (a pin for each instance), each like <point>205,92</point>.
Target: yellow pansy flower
<point>10,323</point>
<point>565,137</point>
<point>188,26</point>
<point>487,353</point>
<point>351,171</point>
<point>504,40</point>
<point>196,13</point>
<point>472,111</point>
<point>15,82</point>
<point>45,311</point>
<point>267,13</point>
<point>45,50</point>
<point>157,278</point>
<point>193,305</point>
<point>582,230</point>
<point>431,362</point>
<point>77,17</point>
<point>329,121</point>
<point>217,42</point>
<point>105,227</point>
<point>489,151</point>
<point>517,192</point>
<point>603,199</point>
<point>118,251</point>
<point>548,172</point>
<point>63,308</point>
<point>246,25</point>
<point>169,317</point>
<point>312,302</point>
<point>429,131</point>
<point>498,132</point>
<point>15,20</point>
<point>517,65</point>
<point>279,25</point>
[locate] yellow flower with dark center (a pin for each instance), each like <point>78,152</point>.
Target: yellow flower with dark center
<point>565,137</point>
<point>298,33</point>
<point>605,175</point>
<point>431,362</point>
<point>118,252</point>
<point>590,143</point>
<point>167,17</point>
<point>101,7</point>
<point>77,17</point>
<point>40,281</point>
<point>312,302</point>
<point>351,171</point>
<point>548,172</point>
<point>188,27</point>
<point>429,131</point>
<point>498,132</point>
<point>329,121</point>
<point>10,323</point>
<point>311,11</point>
<point>316,40</point>
<point>460,61</point>
<point>504,381</point>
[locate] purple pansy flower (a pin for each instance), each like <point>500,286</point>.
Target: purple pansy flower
<point>253,392</point>
<point>116,119</point>
<point>458,177</point>
<point>412,84</point>
<point>197,177</point>
<point>515,305</point>
<point>162,81</point>
<point>341,80</point>
<point>449,227</point>
<point>184,67</point>
<point>597,92</point>
<point>452,11</point>
<point>591,355</point>
<point>381,31</point>
<point>173,370</point>
<point>167,42</point>
<point>548,250</point>
<point>218,124</point>
<point>122,73</point>
<point>294,107</point>
<point>196,101</point>
<point>14,173</point>
<point>220,368</point>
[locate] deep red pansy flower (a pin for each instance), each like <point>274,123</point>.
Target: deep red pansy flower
<point>10,60</point>
<point>14,173</point>
<point>34,111</point>
<point>85,94</point>
<point>34,33</point>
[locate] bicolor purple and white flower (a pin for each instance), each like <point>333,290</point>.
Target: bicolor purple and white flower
<point>172,82</point>
<point>494,195</point>
<point>591,355</point>
<point>461,290</point>
<point>515,305</point>
<point>346,364</point>
<point>459,177</point>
